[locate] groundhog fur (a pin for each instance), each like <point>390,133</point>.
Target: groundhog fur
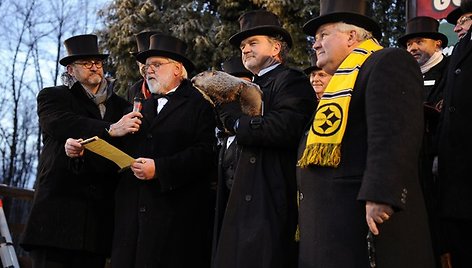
<point>219,87</point>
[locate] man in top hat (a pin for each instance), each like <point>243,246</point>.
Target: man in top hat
<point>140,88</point>
<point>454,156</point>
<point>162,209</point>
<point>425,43</point>
<point>72,214</point>
<point>423,40</point>
<point>319,79</point>
<point>461,18</point>
<point>259,223</point>
<point>360,200</point>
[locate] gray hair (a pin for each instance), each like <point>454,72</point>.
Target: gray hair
<point>362,34</point>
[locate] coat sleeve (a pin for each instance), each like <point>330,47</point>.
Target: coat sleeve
<point>394,114</point>
<point>58,120</point>
<point>292,101</point>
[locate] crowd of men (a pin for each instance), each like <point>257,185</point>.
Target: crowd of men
<point>359,161</point>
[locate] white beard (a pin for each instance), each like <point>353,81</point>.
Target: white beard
<point>155,86</point>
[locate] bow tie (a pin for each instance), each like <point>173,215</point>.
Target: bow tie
<point>158,96</point>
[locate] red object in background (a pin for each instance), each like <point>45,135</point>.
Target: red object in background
<point>437,9</point>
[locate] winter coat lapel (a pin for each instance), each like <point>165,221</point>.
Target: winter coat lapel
<point>149,111</point>
<point>79,92</point>
<point>177,100</point>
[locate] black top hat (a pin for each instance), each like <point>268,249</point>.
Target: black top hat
<point>234,66</point>
<point>453,16</point>
<point>142,40</point>
<point>425,27</point>
<point>259,22</point>
<point>80,47</point>
<point>313,66</point>
<point>347,11</point>
<point>161,45</point>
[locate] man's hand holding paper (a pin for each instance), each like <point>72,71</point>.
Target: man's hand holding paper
<point>100,147</point>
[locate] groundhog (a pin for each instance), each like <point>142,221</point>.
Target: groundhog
<point>219,87</point>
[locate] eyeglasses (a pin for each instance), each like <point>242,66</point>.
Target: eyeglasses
<point>155,66</point>
<point>462,20</point>
<point>89,64</point>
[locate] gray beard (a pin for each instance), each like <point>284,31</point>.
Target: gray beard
<point>154,86</point>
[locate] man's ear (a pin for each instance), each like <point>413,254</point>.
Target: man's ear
<point>277,48</point>
<point>178,69</point>
<point>438,44</point>
<point>69,69</point>
<point>352,38</point>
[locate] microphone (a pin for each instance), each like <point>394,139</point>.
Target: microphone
<point>137,104</point>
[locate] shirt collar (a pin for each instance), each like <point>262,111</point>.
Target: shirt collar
<point>268,69</point>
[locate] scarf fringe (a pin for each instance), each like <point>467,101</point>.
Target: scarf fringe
<point>321,154</point>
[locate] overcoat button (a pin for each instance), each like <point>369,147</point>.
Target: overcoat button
<point>458,71</point>
<point>142,209</point>
<point>252,160</point>
<point>149,136</point>
<point>403,200</point>
<point>452,109</point>
<point>248,197</point>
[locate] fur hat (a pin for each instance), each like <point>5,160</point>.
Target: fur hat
<point>161,45</point>
<point>81,47</point>
<point>425,27</point>
<point>142,41</point>
<point>347,11</point>
<point>313,66</point>
<point>465,7</point>
<point>259,22</point>
<point>234,66</point>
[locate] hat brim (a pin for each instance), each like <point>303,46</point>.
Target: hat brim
<point>362,21</point>
<point>142,56</point>
<point>242,74</point>
<point>431,35</point>
<point>69,59</point>
<point>310,69</point>
<point>273,31</point>
<point>454,15</point>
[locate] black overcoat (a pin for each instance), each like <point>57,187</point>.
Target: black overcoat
<point>432,97</point>
<point>164,222</point>
<point>73,202</point>
<point>379,162</point>
<point>455,136</point>
<point>259,223</point>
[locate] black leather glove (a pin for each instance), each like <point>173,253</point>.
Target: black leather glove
<point>228,113</point>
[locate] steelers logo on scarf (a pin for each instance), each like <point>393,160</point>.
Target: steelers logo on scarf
<point>328,121</point>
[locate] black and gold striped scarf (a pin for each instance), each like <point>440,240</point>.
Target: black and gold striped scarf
<point>323,146</point>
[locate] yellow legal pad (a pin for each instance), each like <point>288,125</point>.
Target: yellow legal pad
<point>103,148</point>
